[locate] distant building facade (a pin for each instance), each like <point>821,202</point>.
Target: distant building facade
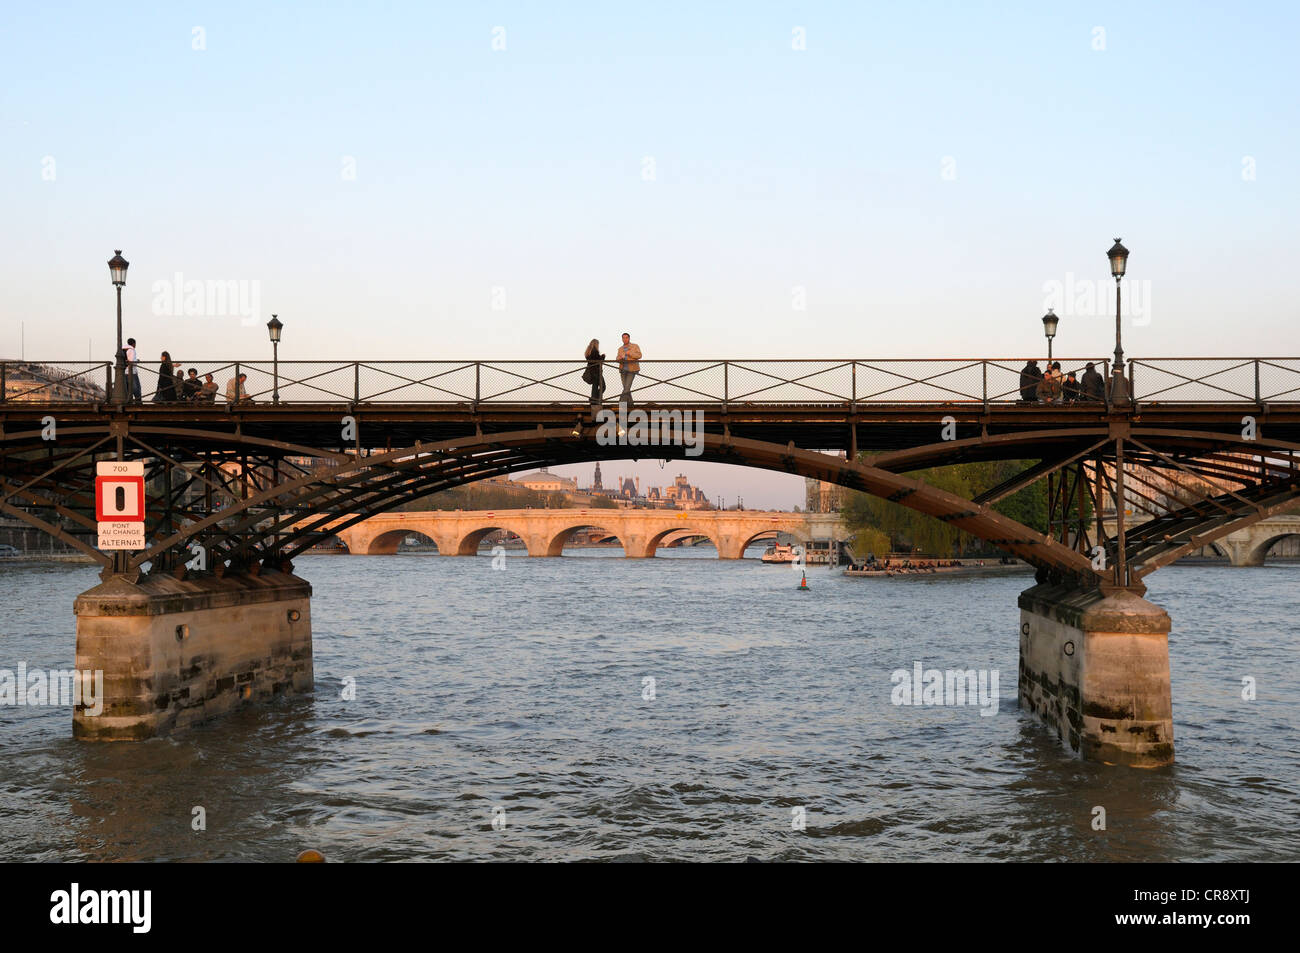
<point>823,497</point>
<point>627,491</point>
<point>544,481</point>
<point>40,383</point>
<point>679,495</point>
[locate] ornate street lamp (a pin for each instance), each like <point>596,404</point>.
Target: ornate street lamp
<point>274,327</point>
<point>1118,256</point>
<point>1049,328</point>
<point>117,266</point>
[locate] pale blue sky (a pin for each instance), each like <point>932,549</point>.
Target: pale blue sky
<point>522,169</point>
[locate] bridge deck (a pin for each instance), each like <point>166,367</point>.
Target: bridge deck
<point>822,426</point>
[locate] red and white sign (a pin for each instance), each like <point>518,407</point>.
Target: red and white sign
<point>119,504</point>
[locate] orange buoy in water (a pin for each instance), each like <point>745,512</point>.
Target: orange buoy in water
<point>803,581</point>
<point>311,857</point>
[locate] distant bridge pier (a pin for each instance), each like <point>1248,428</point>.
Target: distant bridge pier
<point>178,652</point>
<point>1094,668</point>
<point>732,546</point>
<point>1243,551</point>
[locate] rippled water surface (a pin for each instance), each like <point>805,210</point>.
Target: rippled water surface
<point>521,692</point>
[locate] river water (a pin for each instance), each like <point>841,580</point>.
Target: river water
<point>520,696</point>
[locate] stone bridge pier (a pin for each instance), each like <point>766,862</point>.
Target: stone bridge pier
<point>1244,550</point>
<point>176,652</point>
<point>1094,668</point>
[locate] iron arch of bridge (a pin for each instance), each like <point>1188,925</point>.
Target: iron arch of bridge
<point>273,516</point>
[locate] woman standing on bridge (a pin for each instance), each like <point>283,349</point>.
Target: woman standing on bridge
<point>166,390</point>
<point>594,374</point>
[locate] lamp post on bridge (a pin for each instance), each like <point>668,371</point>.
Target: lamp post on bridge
<point>117,266</point>
<point>274,327</point>
<point>1118,256</point>
<point>1049,328</point>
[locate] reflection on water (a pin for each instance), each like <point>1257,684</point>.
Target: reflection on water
<point>523,694</point>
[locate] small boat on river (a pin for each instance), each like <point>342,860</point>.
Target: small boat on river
<point>779,554</point>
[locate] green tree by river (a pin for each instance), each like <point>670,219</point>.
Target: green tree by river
<point>881,526</point>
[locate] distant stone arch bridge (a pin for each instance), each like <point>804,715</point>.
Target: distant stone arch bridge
<point>545,531</point>
<point>1249,546</point>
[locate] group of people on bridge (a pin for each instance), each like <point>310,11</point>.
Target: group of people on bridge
<point>175,385</point>
<point>1052,387</point>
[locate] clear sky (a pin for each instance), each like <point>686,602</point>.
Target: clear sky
<point>907,184</point>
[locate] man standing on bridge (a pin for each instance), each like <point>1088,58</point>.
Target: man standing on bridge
<point>628,357</point>
<point>133,370</point>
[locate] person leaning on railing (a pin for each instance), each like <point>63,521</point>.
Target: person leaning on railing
<point>236,393</point>
<point>629,357</point>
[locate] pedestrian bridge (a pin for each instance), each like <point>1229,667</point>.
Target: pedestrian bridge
<point>209,614</point>
<point>544,532</point>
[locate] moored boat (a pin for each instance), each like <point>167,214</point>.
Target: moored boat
<point>779,554</point>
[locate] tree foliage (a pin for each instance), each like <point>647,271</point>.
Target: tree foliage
<point>903,529</point>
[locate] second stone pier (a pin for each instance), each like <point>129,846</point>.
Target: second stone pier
<point>1094,667</point>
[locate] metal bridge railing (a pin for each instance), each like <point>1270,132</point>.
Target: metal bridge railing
<point>986,381</point>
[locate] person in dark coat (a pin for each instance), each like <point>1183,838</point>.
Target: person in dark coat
<point>1093,387</point>
<point>1071,388</point>
<point>1030,375</point>
<point>166,382</point>
<point>595,374</point>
